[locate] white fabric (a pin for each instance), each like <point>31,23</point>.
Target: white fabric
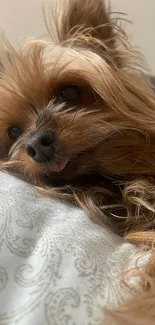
<point>56,266</point>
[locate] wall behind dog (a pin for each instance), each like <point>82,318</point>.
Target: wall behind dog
<point>24,18</point>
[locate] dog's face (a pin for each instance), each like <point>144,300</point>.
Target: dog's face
<point>75,107</point>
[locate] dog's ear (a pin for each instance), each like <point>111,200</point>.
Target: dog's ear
<point>90,16</point>
<point>86,24</point>
<point>1,70</point>
<point>7,53</point>
<point>2,67</point>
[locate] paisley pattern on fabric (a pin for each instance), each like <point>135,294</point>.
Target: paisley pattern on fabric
<point>56,266</point>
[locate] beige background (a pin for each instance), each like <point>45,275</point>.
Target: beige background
<point>24,18</point>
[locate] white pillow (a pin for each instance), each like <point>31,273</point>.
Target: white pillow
<point>56,266</point>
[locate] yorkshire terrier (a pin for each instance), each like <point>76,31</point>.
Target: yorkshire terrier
<point>77,114</point>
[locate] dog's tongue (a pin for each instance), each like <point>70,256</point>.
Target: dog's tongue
<point>60,166</point>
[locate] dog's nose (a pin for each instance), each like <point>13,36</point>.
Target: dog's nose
<point>41,147</point>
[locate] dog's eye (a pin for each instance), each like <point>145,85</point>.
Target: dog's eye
<point>69,93</point>
<point>14,132</point>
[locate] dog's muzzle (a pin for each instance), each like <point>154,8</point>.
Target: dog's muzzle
<point>41,146</point>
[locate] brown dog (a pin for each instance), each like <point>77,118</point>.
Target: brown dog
<point>76,111</point>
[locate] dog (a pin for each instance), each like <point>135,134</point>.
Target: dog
<point>77,115</point>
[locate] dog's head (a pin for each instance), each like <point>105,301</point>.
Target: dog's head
<point>76,105</point>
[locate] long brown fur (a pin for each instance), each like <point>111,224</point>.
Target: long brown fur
<point>108,136</point>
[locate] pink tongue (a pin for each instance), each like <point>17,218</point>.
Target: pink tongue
<point>59,167</point>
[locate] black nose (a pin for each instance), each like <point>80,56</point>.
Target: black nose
<point>41,147</point>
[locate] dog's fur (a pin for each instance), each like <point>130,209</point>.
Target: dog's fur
<point>108,135</point>
<point>105,141</point>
